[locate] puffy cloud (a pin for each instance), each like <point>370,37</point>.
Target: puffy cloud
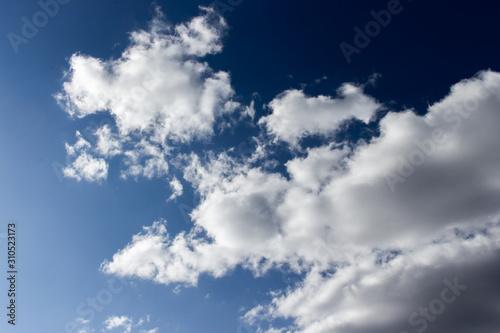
<point>119,322</point>
<point>371,225</point>
<point>446,163</point>
<point>395,291</point>
<point>176,187</point>
<point>126,323</point>
<point>318,167</point>
<point>159,92</point>
<point>145,159</point>
<point>295,115</point>
<point>84,165</point>
<point>108,143</point>
<point>153,255</point>
<point>158,84</point>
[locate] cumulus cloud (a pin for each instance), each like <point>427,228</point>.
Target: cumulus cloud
<point>295,115</point>
<point>119,322</point>
<point>153,255</point>
<point>159,91</point>
<point>127,324</point>
<point>370,226</point>
<point>176,187</point>
<point>158,84</point>
<point>83,164</point>
<point>145,159</point>
<point>108,143</point>
<point>396,291</point>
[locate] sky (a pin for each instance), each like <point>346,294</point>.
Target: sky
<point>250,166</point>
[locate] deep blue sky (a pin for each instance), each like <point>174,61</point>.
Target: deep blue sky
<point>67,228</point>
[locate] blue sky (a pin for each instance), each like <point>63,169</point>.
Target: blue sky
<point>230,170</point>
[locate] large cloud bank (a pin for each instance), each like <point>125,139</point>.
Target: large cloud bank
<point>400,233</point>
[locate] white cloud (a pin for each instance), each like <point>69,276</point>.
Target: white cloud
<point>159,92</point>
<point>177,290</point>
<point>108,143</point>
<point>176,187</point>
<point>84,165</point>
<point>154,330</point>
<point>82,321</point>
<point>119,322</point>
<point>145,159</point>
<point>336,217</point>
<point>295,115</point>
<point>127,324</point>
<point>158,85</point>
<point>250,110</point>
<point>318,167</point>
<point>153,255</point>
<point>371,294</point>
<point>83,326</point>
<point>318,80</point>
